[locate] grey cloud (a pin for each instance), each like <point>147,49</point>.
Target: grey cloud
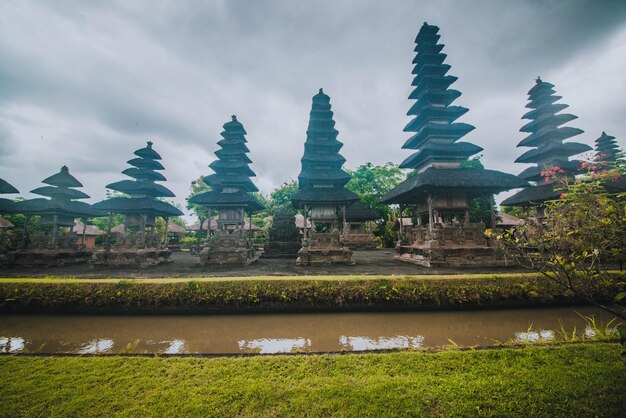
<point>101,78</point>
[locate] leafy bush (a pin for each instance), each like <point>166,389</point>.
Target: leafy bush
<point>287,295</point>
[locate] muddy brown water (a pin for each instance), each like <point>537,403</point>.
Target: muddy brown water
<point>276,333</point>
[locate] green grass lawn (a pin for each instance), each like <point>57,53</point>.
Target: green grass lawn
<point>568,380</point>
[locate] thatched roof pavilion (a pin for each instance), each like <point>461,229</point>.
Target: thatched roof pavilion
<point>607,149</point>
<point>143,206</point>
<point>231,185</point>
<point>546,136</point>
<point>440,183</point>
<point>321,181</point>
<point>61,208</point>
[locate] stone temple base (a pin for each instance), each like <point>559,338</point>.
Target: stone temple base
<point>143,257</point>
<point>228,249</point>
<point>44,258</point>
<point>359,242</point>
<point>285,249</point>
<point>324,249</point>
<point>452,256</point>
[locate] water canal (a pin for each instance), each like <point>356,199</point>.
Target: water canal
<point>276,333</point>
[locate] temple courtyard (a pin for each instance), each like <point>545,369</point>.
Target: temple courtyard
<point>185,265</point>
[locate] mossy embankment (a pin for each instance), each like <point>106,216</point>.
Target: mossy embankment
<point>567,380</point>
<point>286,294</point>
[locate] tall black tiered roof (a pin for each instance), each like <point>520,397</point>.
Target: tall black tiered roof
<point>322,179</point>
<point>546,136</point>
<point>6,188</point>
<point>436,134</point>
<point>607,149</point>
<point>231,185</point>
<point>143,190</point>
<point>6,205</point>
<point>61,191</point>
<point>435,131</point>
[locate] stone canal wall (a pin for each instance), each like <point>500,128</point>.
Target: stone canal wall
<point>289,295</point>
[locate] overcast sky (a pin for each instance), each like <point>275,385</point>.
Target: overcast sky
<point>86,83</point>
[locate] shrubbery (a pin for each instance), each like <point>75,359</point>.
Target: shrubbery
<point>286,295</point>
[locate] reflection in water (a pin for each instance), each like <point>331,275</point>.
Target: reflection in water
<point>280,333</point>
<point>380,343</point>
<point>97,347</point>
<point>534,336</point>
<point>11,345</point>
<point>175,347</point>
<point>275,345</point>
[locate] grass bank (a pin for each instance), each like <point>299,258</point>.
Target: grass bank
<point>288,295</point>
<point>327,277</point>
<point>568,380</point>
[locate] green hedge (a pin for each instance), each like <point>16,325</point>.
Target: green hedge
<point>126,296</point>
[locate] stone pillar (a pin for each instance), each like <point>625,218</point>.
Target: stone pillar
<point>25,231</point>
<point>107,242</point>
<point>493,213</point>
<point>143,230</point>
<point>167,222</point>
<point>430,213</point>
<point>401,226</point>
<point>55,228</point>
<point>306,217</point>
<point>249,227</point>
<point>208,225</point>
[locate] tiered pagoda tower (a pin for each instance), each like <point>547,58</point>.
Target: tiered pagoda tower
<point>607,150</point>
<point>441,188</point>
<point>322,193</point>
<point>435,131</point>
<point>232,196</point>
<point>57,212</point>
<point>140,209</point>
<point>607,155</point>
<point>546,136</point>
<point>6,207</point>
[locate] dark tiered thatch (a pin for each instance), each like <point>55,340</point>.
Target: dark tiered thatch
<point>6,188</point>
<point>322,180</point>
<point>535,195</point>
<point>439,156</point>
<point>436,132</point>
<point>546,136</point>
<point>61,204</point>
<point>6,205</point>
<point>143,190</point>
<point>607,149</point>
<point>476,181</point>
<point>231,185</point>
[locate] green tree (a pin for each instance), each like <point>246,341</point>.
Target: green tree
<point>372,182</point>
<point>582,233</point>
<point>198,187</point>
<point>479,207</point>
<point>281,196</point>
